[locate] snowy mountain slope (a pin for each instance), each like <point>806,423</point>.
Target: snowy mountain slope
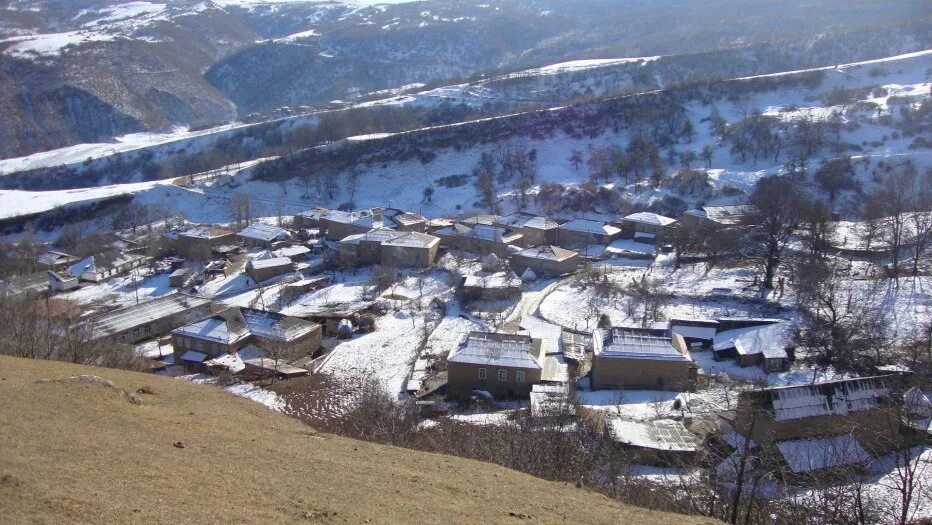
<point>439,156</point>
<point>87,70</point>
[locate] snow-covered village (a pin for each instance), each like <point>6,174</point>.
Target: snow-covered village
<point>703,295</point>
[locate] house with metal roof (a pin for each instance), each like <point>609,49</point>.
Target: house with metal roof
<point>199,242</point>
<point>55,260</point>
<point>261,235</point>
<point>721,216</point>
<point>147,320</point>
<point>481,238</point>
<point>764,343</point>
<point>100,267</point>
<point>410,250</point>
<point>505,365</point>
<point>865,407</point>
<point>645,226</point>
<point>661,442</point>
<point>641,358</point>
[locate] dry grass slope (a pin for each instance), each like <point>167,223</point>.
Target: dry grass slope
<point>102,450</point>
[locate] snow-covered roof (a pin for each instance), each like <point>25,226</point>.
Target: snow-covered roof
<point>726,215</point>
<point>807,455</point>
<point>649,218</point>
<point>590,226</point>
<point>314,213</point>
<point>495,280</point>
<point>52,257</point>
<point>483,348</point>
<point>769,340</point>
<point>548,252</point>
<point>402,218</point>
<point>272,262</point>
<point>549,333</point>
<point>493,233</point>
<point>235,324</point>
<point>85,265</point>
<point>480,219</point>
<point>636,343</point>
<point>62,278</point>
<point>263,232</point>
<point>363,218</point>
<point>378,235</point>
<point>523,219</point>
<point>827,399</point>
<point>413,240</point>
<point>664,434</point>
<point>117,321</point>
<point>292,251</point>
<point>231,362</point>
<point>194,357</point>
<point>694,328</point>
<point>206,232</point>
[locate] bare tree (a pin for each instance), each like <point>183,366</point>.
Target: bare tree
<point>776,205</point>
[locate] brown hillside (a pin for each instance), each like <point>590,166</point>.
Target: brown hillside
<point>83,450</point>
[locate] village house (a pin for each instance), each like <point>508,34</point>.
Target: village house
<point>365,248</point>
<point>199,242</point>
<point>645,226</point>
<point>296,252</point>
<point>309,219</point>
<point>490,286</point>
<point>861,407</point>
<point>61,282</point>
<point>641,358</point>
<point>579,233</point>
<point>754,342</point>
<point>477,220</point>
<point>536,229</point>
<point>411,250</point>
<point>335,224</point>
<point>263,269</point>
<point>180,277</point>
<point>505,365</point>
<point>147,320</point>
<point>716,216</point>
<point>482,239</point>
<point>403,221</point>
<point>260,235</point>
<point>232,329</point>
<point>545,260</point>
<point>54,260</point>
<point>819,458</point>
<point>97,268</point>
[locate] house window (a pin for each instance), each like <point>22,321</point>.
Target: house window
<point>135,332</point>
<point>519,376</point>
<point>147,329</point>
<point>482,373</point>
<point>200,346</point>
<point>502,374</point>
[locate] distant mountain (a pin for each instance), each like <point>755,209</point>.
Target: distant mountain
<point>75,71</point>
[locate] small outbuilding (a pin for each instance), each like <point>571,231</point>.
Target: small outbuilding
<point>546,259</point>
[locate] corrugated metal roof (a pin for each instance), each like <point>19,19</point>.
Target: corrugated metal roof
<point>649,218</point>
<point>664,434</point>
<point>589,226</point>
<point>117,321</point>
<point>806,455</point>
<point>482,348</point>
<point>636,343</point>
<point>262,232</point>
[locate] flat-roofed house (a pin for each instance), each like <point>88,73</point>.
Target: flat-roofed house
<point>198,243</point>
<point>234,328</point>
<point>336,224</point>
<point>403,221</point>
<point>641,358</point>
<point>863,407</point>
<point>482,239</point>
<point>264,269</point>
<point>545,260</point>
<point>505,365</point>
<point>411,249</point>
<point>579,233</point>
<point>536,229</point>
<point>261,235</point>
<point>646,226</point>
<point>149,319</point>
